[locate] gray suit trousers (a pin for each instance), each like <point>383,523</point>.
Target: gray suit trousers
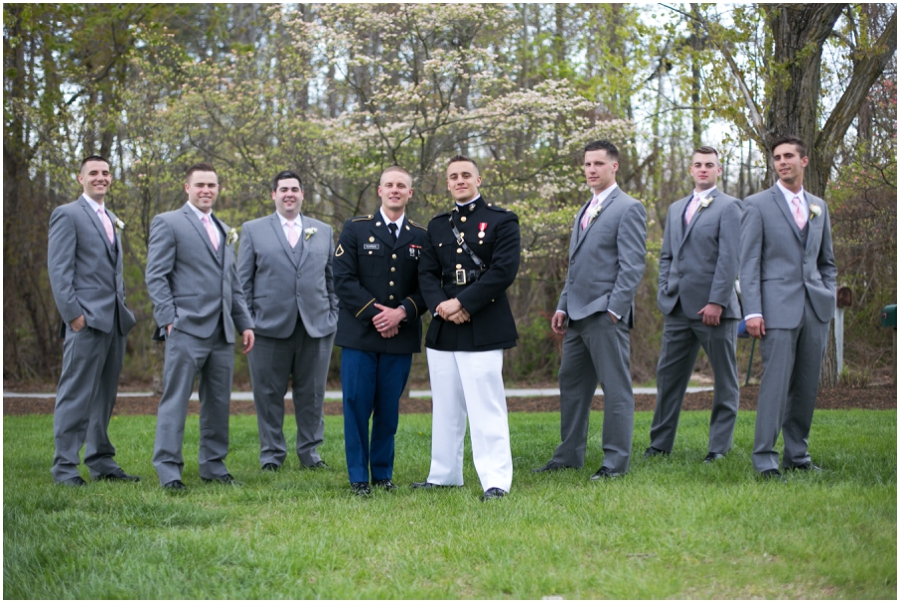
<point>187,356</point>
<point>594,349</point>
<point>792,362</point>
<point>272,363</point>
<point>85,397</point>
<point>681,342</point>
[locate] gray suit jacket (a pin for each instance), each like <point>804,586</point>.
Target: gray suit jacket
<point>278,285</point>
<point>190,284</point>
<point>85,270</point>
<point>699,264</point>
<point>606,260</point>
<point>778,271</point>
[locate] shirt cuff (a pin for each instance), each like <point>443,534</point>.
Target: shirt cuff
<point>749,316</point>
<point>614,314</point>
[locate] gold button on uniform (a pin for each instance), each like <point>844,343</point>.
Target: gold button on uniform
<point>370,253</point>
<point>457,251</point>
<point>391,284</point>
<point>393,256</point>
<point>463,219</point>
<point>393,269</point>
<point>371,239</point>
<point>390,297</point>
<point>459,266</point>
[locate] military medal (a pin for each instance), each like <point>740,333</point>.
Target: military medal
<point>482,226</point>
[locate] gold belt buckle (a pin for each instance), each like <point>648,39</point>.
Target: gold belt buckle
<point>460,277</point>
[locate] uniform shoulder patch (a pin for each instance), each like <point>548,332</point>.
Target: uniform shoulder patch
<point>419,226</point>
<point>362,218</point>
<point>339,251</point>
<point>502,210</point>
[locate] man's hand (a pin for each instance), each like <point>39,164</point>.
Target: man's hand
<point>711,314</point>
<point>388,319</point>
<point>168,330</point>
<point>612,317</point>
<point>387,334</point>
<point>447,308</point>
<point>78,324</point>
<point>559,323</point>
<point>756,327</point>
<point>461,317</point>
<point>249,340</point>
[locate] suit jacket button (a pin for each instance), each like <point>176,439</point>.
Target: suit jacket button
<point>393,256</point>
<point>391,284</point>
<point>393,269</point>
<point>390,297</point>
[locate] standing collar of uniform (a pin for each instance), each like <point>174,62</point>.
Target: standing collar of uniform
<point>788,195</point>
<point>398,222</point>
<point>94,205</point>
<point>475,200</point>
<point>298,221</point>
<point>197,211</point>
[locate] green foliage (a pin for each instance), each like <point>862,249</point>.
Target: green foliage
<point>673,528</point>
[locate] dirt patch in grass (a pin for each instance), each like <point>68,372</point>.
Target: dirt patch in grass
<point>875,398</point>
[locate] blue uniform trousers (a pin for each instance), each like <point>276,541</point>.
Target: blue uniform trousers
<point>372,384</point>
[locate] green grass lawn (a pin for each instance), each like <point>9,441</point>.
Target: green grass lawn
<point>672,528</point>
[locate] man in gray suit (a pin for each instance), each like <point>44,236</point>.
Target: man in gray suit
<point>84,261</point>
<point>595,312</point>
<point>197,303</point>
<point>788,282</point>
<point>285,271</point>
<point>697,269</point>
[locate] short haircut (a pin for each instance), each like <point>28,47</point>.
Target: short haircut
<point>395,168</point>
<point>286,175</point>
<point>603,145</point>
<point>705,150</point>
<point>461,158</point>
<point>790,139</point>
<point>200,167</point>
<point>94,158</point>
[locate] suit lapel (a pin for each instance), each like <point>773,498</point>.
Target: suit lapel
<point>778,199</point>
<point>118,239</point>
<point>278,231</point>
<point>404,235</point>
<point>201,230</point>
<point>95,220</point>
<point>677,223</point>
<point>697,213</point>
<point>304,251</point>
<point>603,207</point>
<point>815,225</point>
<point>383,233</point>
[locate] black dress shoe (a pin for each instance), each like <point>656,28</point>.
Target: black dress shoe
<point>270,467</point>
<point>386,484</point>
<point>551,466</point>
<point>604,473</point>
<point>318,465</point>
<point>176,485</point>
<point>119,476</point>
<point>771,474</point>
<point>361,488</point>
<point>654,452</point>
<point>807,466</point>
<point>713,456</point>
<point>492,494</point>
<point>226,479</point>
<point>73,482</point>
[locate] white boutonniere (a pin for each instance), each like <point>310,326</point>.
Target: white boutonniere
<point>704,203</point>
<point>120,224</point>
<point>593,212</point>
<point>232,236</point>
<point>814,211</point>
<point>309,232</point>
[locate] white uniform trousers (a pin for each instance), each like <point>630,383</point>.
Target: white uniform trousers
<point>461,383</point>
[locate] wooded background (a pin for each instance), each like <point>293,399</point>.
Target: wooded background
<point>339,92</point>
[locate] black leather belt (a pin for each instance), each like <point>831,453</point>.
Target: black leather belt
<point>460,277</point>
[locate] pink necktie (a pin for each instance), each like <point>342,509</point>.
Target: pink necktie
<point>798,213</point>
<point>211,231</point>
<point>293,235</point>
<point>107,225</point>
<point>586,219</point>
<point>692,209</point>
